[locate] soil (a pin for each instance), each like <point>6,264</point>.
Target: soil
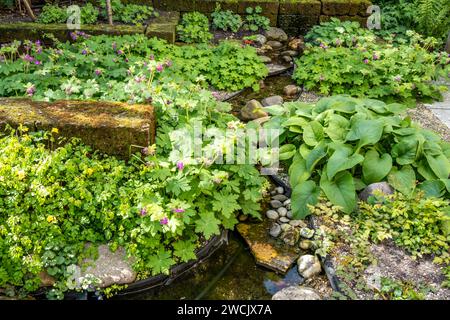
<point>428,120</point>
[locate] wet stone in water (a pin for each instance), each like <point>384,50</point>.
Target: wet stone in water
<point>279,190</point>
<point>275,230</point>
<point>289,214</point>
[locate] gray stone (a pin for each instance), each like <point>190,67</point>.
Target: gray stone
<point>306,233</point>
<point>287,59</point>
<point>274,44</point>
<point>296,293</point>
<point>260,39</point>
<point>308,266</point>
<point>280,197</point>
<point>279,190</point>
<point>285,226</point>
<point>297,223</point>
<point>252,110</point>
<point>289,214</point>
<point>284,220</point>
<point>305,244</point>
<point>265,59</point>
<point>290,236</point>
<point>272,214</point>
<point>275,230</point>
<point>290,53</point>
<point>291,90</point>
<point>275,69</point>
<point>110,268</point>
<point>282,211</point>
<point>272,100</point>
<point>275,204</point>
<point>276,34</point>
<point>382,187</point>
<point>288,201</point>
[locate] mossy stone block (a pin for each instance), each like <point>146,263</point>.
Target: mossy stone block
<point>175,5</point>
<point>303,7</point>
<point>111,128</point>
<point>166,31</point>
<point>362,20</point>
<point>297,24</point>
<point>269,8</point>
<point>336,7</point>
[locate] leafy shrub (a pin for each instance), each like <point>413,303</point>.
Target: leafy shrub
<point>194,28</point>
<point>226,20</point>
<point>128,13</point>
<point>7,3</point>
<point>89,14</point>
<point>372,70</point>
<point>254,21</point>
<point>340,144</point>
<point>433,17</point>
<point>52,14</point>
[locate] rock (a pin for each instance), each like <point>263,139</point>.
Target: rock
<point>110,267</point>
<point>285,226</point>
<point>274,44</point>
<point>252,110</point>
<point>305,244</point>
<point>288,201</point>
<point>265,59</point>
<point>275,69</point>
<point>272,101</point>
<point>260,39</point>
<point>290,236</point>
<point>289,214</point>
<point>282,211</point>
<point>46,279</point>
<point>265,48</point>
<point>287,59</point>
<point>306,233</point>
<point>290,53</point>
<point>297,223</point>
<point>276,34</point>
<point>275,230</point>
<point>284,220</point>
<point>280,197</point>
<point>296,293</point>
<point>272,214</point>
<point>296,44</point>
<point>382,187</point>
<point>275,204</point>
<point>273,192</point>
<point>308,266</point>
<point>242,217</point>
<point>291,90</point>
<point>279,190</point>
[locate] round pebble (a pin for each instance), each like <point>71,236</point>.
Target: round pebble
<point>279,190</point>
<point>280,197</point>
<point>288,201</point>
<point>275,230</point>
<point>272,214</point>
<point>284,220</point>
<point>282,211</point>
<point>289,214</point>
<point>276,204</point>
<point>297,223</point>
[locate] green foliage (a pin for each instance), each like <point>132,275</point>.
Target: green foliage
<point>89,14</point>
<point>374,70</point>
<point>52,14</point>
<point>433,17</point>
<point>226,20</point>
<point>340,144</point>
<point>128,13</point>
<point>399,290</point>
<point>254,21</point>
<point>194,28</point>
<point>7,3</point>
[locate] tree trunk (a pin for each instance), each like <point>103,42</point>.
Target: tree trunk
<point>29,10</point>
<point>109,11</point>
<point>447,46</point>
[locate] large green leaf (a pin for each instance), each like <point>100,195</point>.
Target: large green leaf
<point>374,167</point>
<point>404,152</point>
<point>342,159</point>
<point>297,171</point>
<point>366,131</point>
<point>440,165</point>
<point>287,151</point>
<point>434,188</point>
<point>403,180</point>
<point>337,128</point>
<point>425,171</point>
<point>303,194</point>
<point>316,155</point>
<point>312,133</point>
<point>340,191</point>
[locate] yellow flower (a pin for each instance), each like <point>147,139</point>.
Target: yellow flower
<point>21,174</point>
<point>51,219</point>
<point>55,130</point>
<point>89,171</point>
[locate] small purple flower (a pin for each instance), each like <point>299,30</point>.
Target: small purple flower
<point>169,101</point>
<point>144,151</point>
<point>152,57</point>
<point>39,50</point>
<point>38,42</point>
<point>168,63</point>
<point>164,221</point>
<point>178,210</point>
<point>338,42</point>
<point>31,90</point>
<point>114,46</point>
<point>323,46</point>
<point>159,67</point>
<point>37,62</point>
<point>98,72</point>
<point>28,58</point>
<point>73,36</point>
<point>398,78</point>
<point>143,212</point>
<point>119,52</point>
<point>126,60</point>
<point>366,61</point>
<point>180,165</point>
<point>84,52</point>
<point>375,56</point>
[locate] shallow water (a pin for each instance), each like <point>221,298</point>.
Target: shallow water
<point>230,273</point>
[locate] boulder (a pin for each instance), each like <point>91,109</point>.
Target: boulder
<point>291,90</point>
<point>272,101</point>
<point>276,34</point>
<point>274,44</point>
<point>265,59</point>
<point>308,266</point>
<point>252,110</point>
<point>296,293</point>
<point>370,190</point>
<point>260,39</point>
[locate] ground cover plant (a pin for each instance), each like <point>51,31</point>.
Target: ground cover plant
<point>194,28</point>
<point>226,20</point>
<point>341,144</point>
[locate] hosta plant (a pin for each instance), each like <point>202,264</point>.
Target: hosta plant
<point>194,28</point>
<point>341,144</point>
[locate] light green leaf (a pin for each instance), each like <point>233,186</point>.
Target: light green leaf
<point>440,165</point>
<point>374,167</point>
<point>340,191</point>
<point>342,160</point>
<point>287,151</point>
<point>403,180</point>
<point>303,194</point>
<point>312,133</point>
<point>315,156</point>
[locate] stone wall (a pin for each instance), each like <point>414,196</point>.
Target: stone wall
<point>294,16</point>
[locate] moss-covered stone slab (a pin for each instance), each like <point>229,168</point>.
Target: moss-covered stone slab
<point>362,20</point>
<point>301,7</point>
<point>268,252</point>
<point>175,5</point>
<point>111,128</point>
<point>295,24</point>
<point>166,31</point>
<point>269,8</point>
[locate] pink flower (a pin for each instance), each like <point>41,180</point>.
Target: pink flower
<point>159,67</point>
<point>84,52</point>
<point>323,46</point>
<point>164,221</point>
<point>178,210</point>
<point>366,61</point>
<point>375,56</point>
<point>143,212</point>
<point>119,52</point>
<point>180,165</point>
<point>168,63</point>
<point>98,72</point>
<point>338,42</point>
<point>28,58</point>
<point>37,62</point>
<point>31,90</point>
<point>398,78</point>
<point>152,57</point>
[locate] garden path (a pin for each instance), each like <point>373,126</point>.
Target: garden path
<point>442,108</point>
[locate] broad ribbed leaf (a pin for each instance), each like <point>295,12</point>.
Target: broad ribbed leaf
<point>303,194</point>
<point>340,191</point>
<point>342,159</point>
<point>403,180</point>
<point>376,168</point>
<point>440,165</point>
<point>312,133</point>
